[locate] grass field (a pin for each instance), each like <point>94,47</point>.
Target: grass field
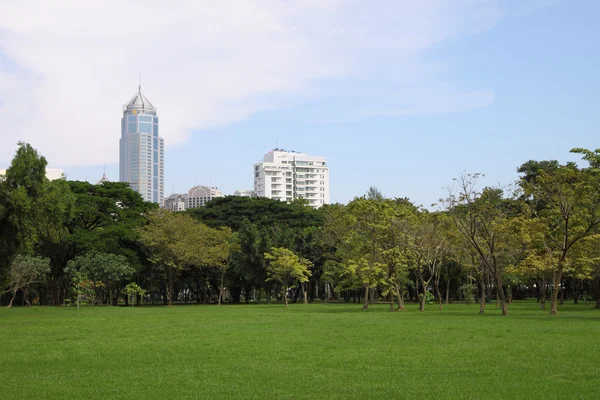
<point>318,351</point>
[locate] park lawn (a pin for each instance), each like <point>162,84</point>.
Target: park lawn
<point>316,351</point>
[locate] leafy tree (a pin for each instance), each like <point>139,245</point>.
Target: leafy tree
<point>286,267</point>
<point>428,245</point>
<point>265,213</point>
<point>222,245</point>
<point>482,218</point>
<point>176,241</point>
<point>133,290</point>
<point>23,184</point>
<point>571,213</point>
<point>374,194</point>
<point>591,156</point>
<point>25,270</point>
<point>103,269</point>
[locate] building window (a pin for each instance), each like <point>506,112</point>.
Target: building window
<point>145,127</point>
<point>131,127</point>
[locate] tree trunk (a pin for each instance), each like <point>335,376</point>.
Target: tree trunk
<point>285,290</point>
<point>447,290</point>
<point>482,298</point>
<point>170,287</point>
<point>12,299</point>
<point>221,288</point>
<point>500,292</point>
<point>437,287</point>
<point>400,296</point>
<point>305,293</point>
<point>422,297</point>
<point>557,279</point>
<point>366,299</point>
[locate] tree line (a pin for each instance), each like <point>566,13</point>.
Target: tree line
<point>70,242</point>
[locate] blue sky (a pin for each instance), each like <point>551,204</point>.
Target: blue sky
<point>503,83</point>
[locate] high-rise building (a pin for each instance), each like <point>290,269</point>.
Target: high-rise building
<point>141,160</point>
<point>288,175</point>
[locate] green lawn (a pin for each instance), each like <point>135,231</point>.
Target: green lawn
<point>322,351</point>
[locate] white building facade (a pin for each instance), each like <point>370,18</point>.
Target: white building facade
<point>244,193</point>
<point>141,161</point>
<point>197,196</point>
<point>288,175</point>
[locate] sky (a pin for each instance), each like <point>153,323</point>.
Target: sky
<point>401,95</point>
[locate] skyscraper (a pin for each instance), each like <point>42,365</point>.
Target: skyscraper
<point>141,161</point>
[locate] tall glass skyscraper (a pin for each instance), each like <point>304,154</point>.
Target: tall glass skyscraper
<point>141,160</point>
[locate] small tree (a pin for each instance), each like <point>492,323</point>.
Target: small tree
<point>25,270</point>
<point>224,246</point>
<point>286,267</point>
<point>132,290</point>
<point>103,269</point>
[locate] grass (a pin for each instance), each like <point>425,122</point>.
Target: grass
<point>318,351</point>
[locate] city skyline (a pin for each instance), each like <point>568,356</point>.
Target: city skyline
<point>412,92</point>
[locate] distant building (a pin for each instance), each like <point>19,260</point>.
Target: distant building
<point>288,175</point>
<point>103,179</point>
<point>244,193</point>
<point>141,161</point>
<point>175,202</point>
<point>197,196</point>
<point>51,173</point>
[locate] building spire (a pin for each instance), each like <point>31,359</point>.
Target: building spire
<point>140,82</point>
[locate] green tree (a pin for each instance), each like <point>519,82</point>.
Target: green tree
<point>286,267</point>
<point>482,219</point>
<point>222,245</point>
<point>109,269</point>
<point>133,290</point>
<point>175,241</point>
<point>571,213</point>
<point>591,156</point>
<point>25,270</point>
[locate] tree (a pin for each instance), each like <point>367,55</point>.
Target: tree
<point>571,213</point>
<point>175,241</point>
<point>482,217</point>
<point>23,184</point>
<point>133,290</point>
<point>592,157</point>
<point>374,194</point>
<point>428,245</point>
<point>286,267</point>
<point>104,270</point>
<point>223,245</point>
<point>25,270</point>
<point>265,213</point>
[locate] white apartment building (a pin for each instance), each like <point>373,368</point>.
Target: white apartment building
<point>244,193</point>
<point>197,196</point>
<point>288,175</point>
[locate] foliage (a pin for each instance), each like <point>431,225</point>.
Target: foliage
<point>286,267</point>
<point>25,270</point>
<point>103,270</point>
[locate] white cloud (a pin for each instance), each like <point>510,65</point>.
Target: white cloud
<point>67,66</point>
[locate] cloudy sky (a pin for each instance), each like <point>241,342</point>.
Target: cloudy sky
<point>403,95</point>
